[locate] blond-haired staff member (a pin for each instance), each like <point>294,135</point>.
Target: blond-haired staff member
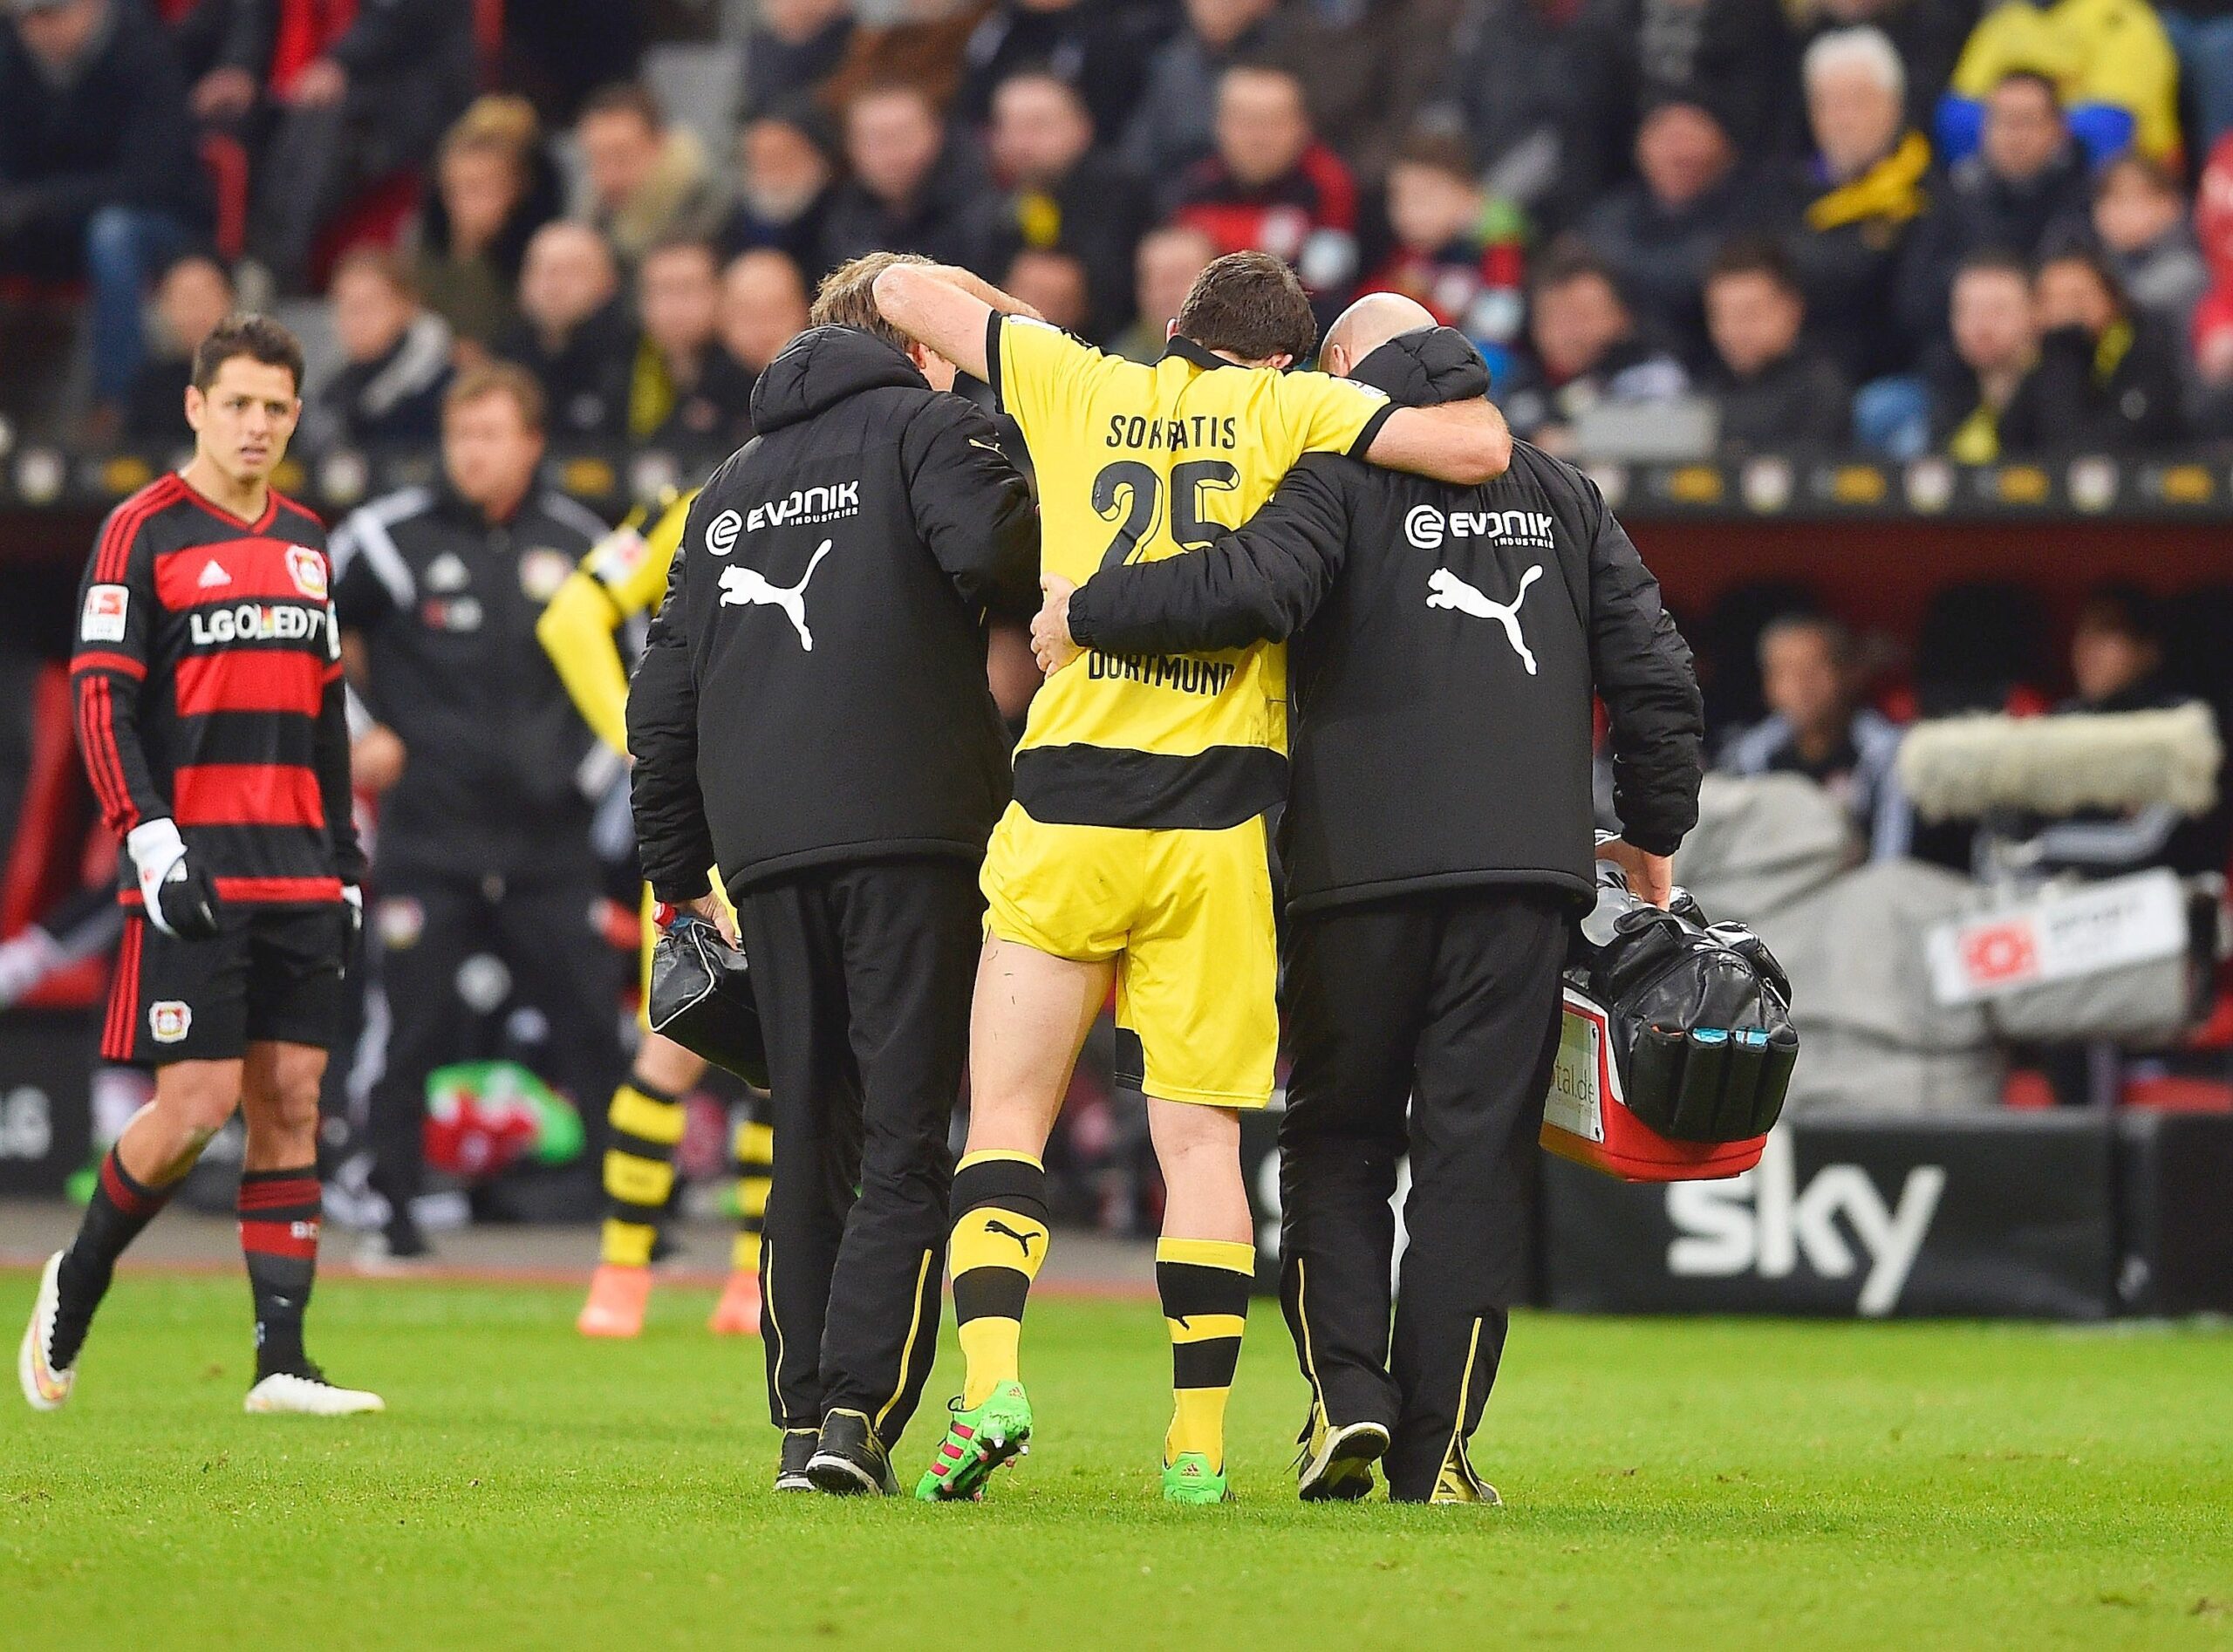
<point>811,716</point>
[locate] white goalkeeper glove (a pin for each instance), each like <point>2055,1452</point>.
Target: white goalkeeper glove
<point>180,901</point>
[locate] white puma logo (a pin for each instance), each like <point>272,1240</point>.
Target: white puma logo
<point>741,585</point>
<point>1446,590</point>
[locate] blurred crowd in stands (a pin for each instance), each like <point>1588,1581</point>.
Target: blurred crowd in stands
<point>1894,225</point>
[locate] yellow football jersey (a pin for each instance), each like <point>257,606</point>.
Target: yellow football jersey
<point>625,575</point>
<point>1138,463</point>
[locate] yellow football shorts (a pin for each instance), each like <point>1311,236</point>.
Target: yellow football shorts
<point>1187,916</point>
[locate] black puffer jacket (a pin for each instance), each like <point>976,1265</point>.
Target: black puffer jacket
<point>1442,675</point>
<point>813,692</point>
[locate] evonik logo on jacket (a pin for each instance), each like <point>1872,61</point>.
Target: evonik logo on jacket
<point>1427,527</point>
<point>806,505</point>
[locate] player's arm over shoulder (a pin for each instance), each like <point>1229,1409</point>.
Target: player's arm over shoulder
<point>1465,442</point>
<point>948,310</point>
<point>625,574</point>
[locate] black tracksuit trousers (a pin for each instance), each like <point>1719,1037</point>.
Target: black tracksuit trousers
<point>863,975</point>
<point>1425,1024</point>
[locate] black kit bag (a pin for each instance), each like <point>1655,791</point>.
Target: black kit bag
<point>701,997</point>
<point>1698,1014</point>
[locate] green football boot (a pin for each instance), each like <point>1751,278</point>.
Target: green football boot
<point>1190,1479</point>
<point>978,1440</point>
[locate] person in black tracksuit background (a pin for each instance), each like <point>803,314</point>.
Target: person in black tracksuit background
<point>1438,844</point>
<point>484,843</point>
<point>811,715</point>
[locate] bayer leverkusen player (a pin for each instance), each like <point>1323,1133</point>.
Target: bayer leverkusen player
<point>207,682</point>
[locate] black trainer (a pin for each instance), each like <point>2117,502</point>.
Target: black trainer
<point>1335,1462</point>
<point>798,1452</point>
<point>849,1459</point>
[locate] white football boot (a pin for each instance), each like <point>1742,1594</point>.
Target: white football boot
<point>47,1388</point>
<point>285,1393</point>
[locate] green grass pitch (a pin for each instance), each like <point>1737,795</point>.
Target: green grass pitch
<point>1675,1484</point>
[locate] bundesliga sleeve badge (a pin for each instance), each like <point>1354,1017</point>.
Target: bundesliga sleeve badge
<point>106,607</point>
<point>618,555</point>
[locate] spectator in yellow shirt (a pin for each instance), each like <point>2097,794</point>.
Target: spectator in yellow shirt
<point>2110,59</point>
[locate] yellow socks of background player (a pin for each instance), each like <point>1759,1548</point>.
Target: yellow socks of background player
<point>639,1171</point>
<point>1000,1239</point>
<point>1204,1284</point>
<point>756,1164</point>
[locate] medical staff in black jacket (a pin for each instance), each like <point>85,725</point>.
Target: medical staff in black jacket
<point>811,715</point>
<point>1438,844</point>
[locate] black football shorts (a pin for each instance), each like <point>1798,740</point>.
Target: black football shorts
<point>271,973</point>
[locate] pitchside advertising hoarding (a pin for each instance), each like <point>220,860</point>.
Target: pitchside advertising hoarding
<point>46,1064</point>
<point>2071,1215</point>
<point>2000,1215</point>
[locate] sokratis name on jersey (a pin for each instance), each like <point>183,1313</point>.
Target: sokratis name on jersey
<point>1187,673</point>
<point>1194,432</point>
<point>254,622</point>
<point>806,505</point>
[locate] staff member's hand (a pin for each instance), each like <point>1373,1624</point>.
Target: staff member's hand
<point>709,906</point>
<point>1051,643</point>
<point>1651,878</point>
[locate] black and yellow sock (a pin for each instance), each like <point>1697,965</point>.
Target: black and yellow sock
<point>1000,1239</point>
<point>646,1122</point>
<point>1204,1284</point>
<point>755,1167</point>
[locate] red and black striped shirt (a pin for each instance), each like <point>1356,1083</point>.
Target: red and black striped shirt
<point>208,683</point>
